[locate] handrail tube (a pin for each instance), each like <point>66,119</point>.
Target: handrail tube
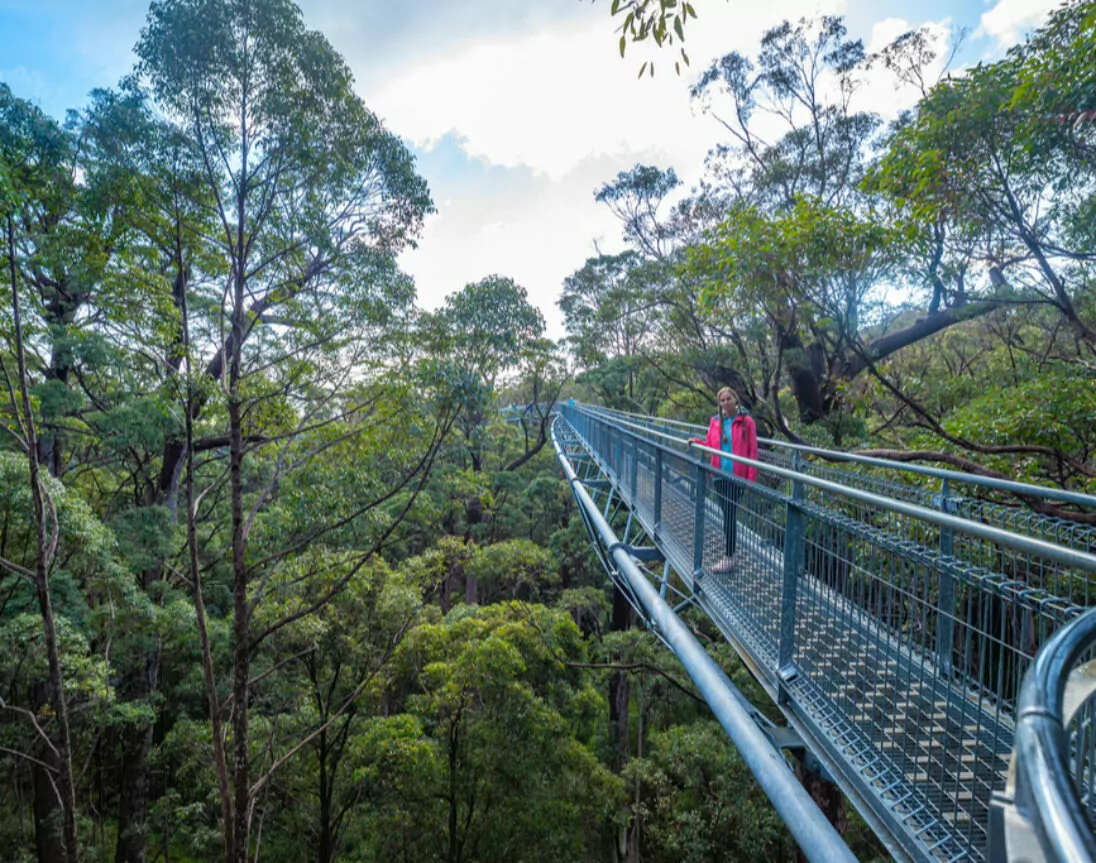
<point>1042,758</point>
<point>1019,488</point>
<point>1029,545</point>
<point>812,830</point>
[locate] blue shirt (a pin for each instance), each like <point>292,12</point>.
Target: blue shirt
<point>726,463</point>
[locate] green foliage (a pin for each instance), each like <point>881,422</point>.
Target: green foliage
<point>661,21</point>
<point>603,311</point>
<point>516,569</point>
<point>701,803</point>
<point>1054,409</point>
<point>490,694</point>
<point>816,260</point>
<point>488,325</point>
<point>431,642</point>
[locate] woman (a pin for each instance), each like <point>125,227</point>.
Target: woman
<point>734,431</point>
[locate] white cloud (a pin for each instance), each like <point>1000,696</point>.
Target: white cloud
<point>882,91</point>
<point>1009,20</point>
<point>551,99</point>
<point>886,31</point>
<point>537,230</point>
<point>562,113</point>
<point>562,110</point>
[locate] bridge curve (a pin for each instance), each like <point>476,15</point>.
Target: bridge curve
<point>892,624</point>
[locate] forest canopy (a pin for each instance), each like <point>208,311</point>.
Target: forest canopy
<point>287,569</point>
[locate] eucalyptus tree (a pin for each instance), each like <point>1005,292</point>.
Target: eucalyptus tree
<point>1005,150</point>
<point>493,742</point>
<point>44,250</point>
<point>661,21</point>
<point>608,313</point>
<point>145,196</point>
<point>485,331</point>
<point>634,320</point>
<point>487,325</point>
<point>993,173</point>
<point>812,269</point>
<point>329,672</point>
<point>312,198</point>
<point>93,303</point>
<point>34,156</point>
<point>790,114</point>
<point>635,198</point>
<point>540,377</point>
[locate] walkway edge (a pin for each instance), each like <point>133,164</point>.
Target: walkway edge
<point>817,838</point>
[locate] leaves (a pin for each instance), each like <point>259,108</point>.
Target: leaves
<point>663,21</point>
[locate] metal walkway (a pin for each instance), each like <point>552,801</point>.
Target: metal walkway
<point>892,623</point>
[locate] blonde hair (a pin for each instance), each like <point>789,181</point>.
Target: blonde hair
<point>722,416</point>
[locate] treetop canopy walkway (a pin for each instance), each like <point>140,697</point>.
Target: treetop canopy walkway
<point>894,612</point>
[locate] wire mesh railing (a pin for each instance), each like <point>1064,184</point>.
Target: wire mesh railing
<point>968,495</point>
<point>897,630</point>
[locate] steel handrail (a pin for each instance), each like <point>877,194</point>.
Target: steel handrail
<point>812,830</point>
<point>1042,747</point>
<point>1017,488</point>
<point>1029,545</point>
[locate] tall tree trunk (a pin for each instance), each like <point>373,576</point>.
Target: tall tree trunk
<point>326,787</point>
<point>829,799</point>
<point>619,697</point>
<point>46,537</point>
<point>241,614</point>
<point>220,762</point>
<point>806,385</point>
<point>240,623</point>
<point>134,793</point>
<point>48,840</point>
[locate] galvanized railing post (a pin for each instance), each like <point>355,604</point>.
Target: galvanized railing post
<point>610,449</point>
<point>615,446</point>
<point>794,536</point>
<point>635,470</point>
<point>699,482</point>
<point>945,613</point>
<point>656,517</point>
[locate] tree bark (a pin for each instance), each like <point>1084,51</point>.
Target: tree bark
<point>326,849</point>
<point>619,698</point>
<point>240,621</point>
<point>805,381</point>
<point>829,799</point>
<point>241,613</point>
<point>932,323</point>
<point>135,785</point>
<point>48,840</point>
<point>219,758</point>
<point>45,547</point>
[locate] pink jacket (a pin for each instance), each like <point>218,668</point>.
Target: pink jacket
<point>743,443</point>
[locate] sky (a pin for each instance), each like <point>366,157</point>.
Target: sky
<point>516,111</point>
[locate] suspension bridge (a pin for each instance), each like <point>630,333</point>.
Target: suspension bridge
<point>924,632</point>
